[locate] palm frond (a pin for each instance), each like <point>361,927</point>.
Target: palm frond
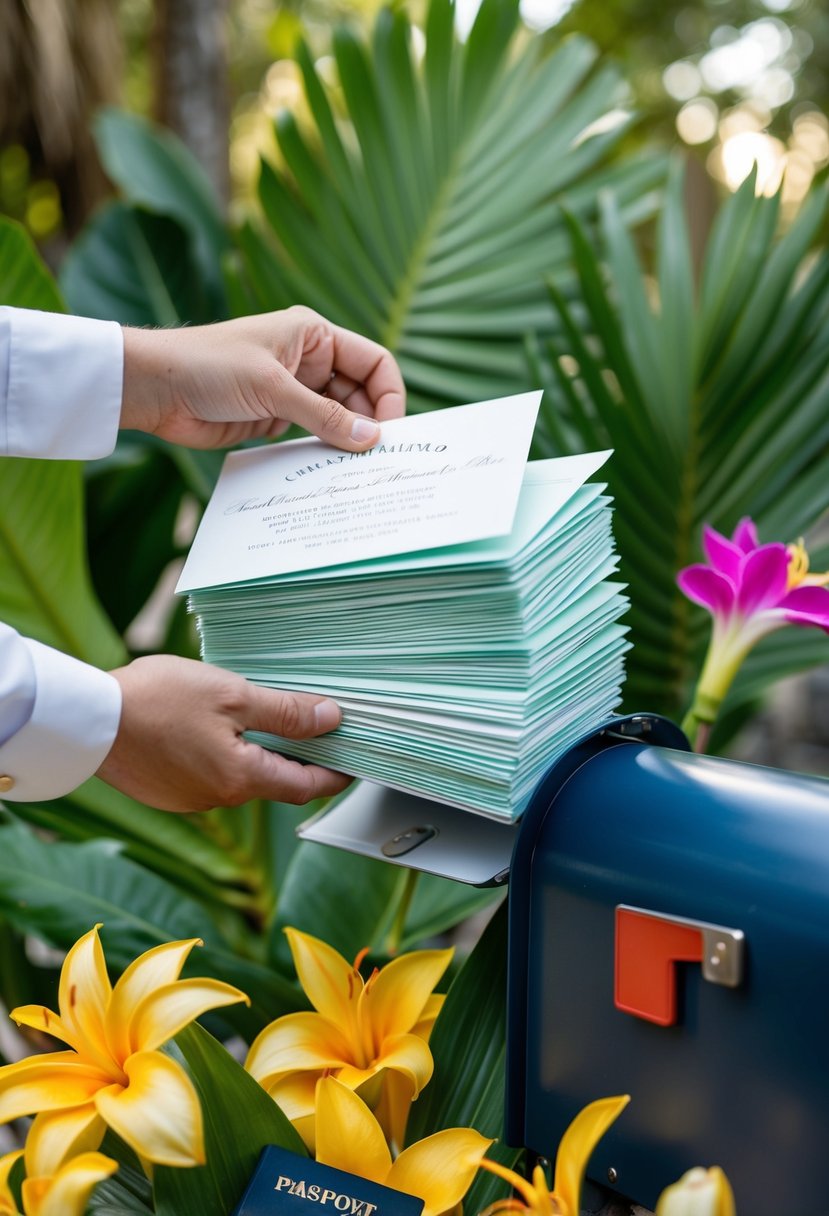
<point>716,400</point>
<point>421,210</point>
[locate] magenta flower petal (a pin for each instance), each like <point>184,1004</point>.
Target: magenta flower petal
<point>722,553</point>
<point>709,588</point>
<point>807,606</point>
<point>745,535</point>
<point>763,579</point>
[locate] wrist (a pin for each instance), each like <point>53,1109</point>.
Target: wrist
<point>149,370</point>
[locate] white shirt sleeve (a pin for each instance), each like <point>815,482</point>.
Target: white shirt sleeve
<point>61,384</point>
<point>59,717</point>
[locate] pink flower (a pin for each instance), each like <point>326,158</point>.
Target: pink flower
<point>750,590</point>
<point>762,586</point>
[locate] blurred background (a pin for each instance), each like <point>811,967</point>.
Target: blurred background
<point>735,82</point>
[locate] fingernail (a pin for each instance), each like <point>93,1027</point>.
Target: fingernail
<point>362,430</point>
<point>327,715</point>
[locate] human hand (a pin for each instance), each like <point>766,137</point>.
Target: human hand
<point>179,745</point>
<point>217,385</point>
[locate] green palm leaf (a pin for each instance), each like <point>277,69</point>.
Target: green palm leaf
<point>423,215</point>
<point>45,589</point>
<point>716,400</point>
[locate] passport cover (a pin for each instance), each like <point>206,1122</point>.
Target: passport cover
<point>285,1183</point>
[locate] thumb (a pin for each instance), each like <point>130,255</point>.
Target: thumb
<point>326,418</point>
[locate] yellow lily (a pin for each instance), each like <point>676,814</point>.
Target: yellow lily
<point>439,1170</point>
<point>698,1193</point>
<point>370,1034</point>
<point>59,1178</point>
<point>574,1152</point>
<point>114,1073</point>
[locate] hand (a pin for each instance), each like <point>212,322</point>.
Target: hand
<point>179,745</point>
<point>218,385</point>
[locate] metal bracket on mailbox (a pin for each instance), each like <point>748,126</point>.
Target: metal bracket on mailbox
<point>648,947</point>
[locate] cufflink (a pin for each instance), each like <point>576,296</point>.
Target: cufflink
<point>6,783</point>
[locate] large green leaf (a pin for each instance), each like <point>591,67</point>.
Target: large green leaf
<point>154,170</point>
<point>429,223</point>
<point>58,891</point>
<point>321,881</point>
<point>45,589</point>
<point>25,281</point>
<point>127,1192</point>
<point>133,502</point>
<point>716,400</point>
<point>468,1045</point>
<point>137,267</point>
<point>240,1119</point>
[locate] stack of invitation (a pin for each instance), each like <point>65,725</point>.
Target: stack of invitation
<point>456,602</point>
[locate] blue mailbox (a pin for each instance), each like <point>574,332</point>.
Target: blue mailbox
<point>669,938</point>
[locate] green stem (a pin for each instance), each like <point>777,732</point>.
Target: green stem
<point>395,935</point>
<point>699,719</point>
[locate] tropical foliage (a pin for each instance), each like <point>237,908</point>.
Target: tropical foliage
<point>714,395</point>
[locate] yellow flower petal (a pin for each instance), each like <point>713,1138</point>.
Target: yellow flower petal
<point>518,1183</point>
<point>57,1136</point>
<point>7,1162</point>
<point>327,979</point>
<point>424,1024</point>
<point>406,1054</point>
<point>347,1134</point>
<point>409,1055</point>
<point>397,997</point>
<point>51,1081</point>
<point>294,1095</point>
<point>158,1114</point>
<point>84,990</point>
<point>165,1012</point>
<point>698,1193</point>
<point>68,1192</point>
<point>94,1052</point>
<point>294,1043</point>
<point>393,1105</point>
<point>151,970</point>
<point>577,1145</point>
<point>43,1019</point>
<point>440,1168</point>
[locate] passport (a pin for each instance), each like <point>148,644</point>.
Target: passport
<point>290,1185</point>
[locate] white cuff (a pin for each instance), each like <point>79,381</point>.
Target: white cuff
<point>73,725</point>
<point>64,385</point>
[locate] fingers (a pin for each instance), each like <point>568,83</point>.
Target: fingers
<point>360,371</point>
<point>294,715</point>
<point>371,365</point>
<point>325,417</point>
<point>281,780</point>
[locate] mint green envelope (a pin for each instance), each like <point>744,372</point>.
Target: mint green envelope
<point>462,671</point>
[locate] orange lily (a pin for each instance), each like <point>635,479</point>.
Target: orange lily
<point>698,1193</point>
<point>371,1035</point>
<point>439,1170</point>
<point>574,1152</point>
<point>114,1073</point>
